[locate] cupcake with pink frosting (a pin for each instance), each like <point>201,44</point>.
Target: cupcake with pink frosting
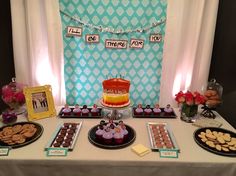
<point>139,109</point>
<point>118,136</point>
<point>107,136</point>
<point>156,109</point>
<point>77,110</point>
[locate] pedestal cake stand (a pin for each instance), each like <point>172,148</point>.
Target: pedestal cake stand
<point>114,114</point>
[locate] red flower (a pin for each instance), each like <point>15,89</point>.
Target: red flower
<point>190,98</point>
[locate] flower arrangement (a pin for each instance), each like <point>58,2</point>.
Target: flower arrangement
<point>190,98</point>
<point>12,94</point>
<point>189,104</point>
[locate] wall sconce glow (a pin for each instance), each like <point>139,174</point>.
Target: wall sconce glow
<point>177,84</point>
<point>45,76</point>
<point>188,82</point>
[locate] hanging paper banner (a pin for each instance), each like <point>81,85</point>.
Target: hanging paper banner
<point>92,38</point>
<point>136,43</point>
<point>116,44</point>
<point>155,38</point>
<point>74,31</point>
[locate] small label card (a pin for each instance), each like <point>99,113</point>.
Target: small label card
<point>57,151</point>
<point>168,153</point>
<point>155,38</point>
<point>92,38</point>
<point>74,31</point>
<point>4,151</point>
<point>136,43</point>
<point>116,44</point>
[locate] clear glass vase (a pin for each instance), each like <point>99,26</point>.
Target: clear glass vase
<point>17,109</point>
<point>189,112</point>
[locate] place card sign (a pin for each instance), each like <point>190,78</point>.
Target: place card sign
<point>155,38</point>
<point>168,153</point>
<point>136,43</point>
<point>4,151</point>
<point>116,44</point>
<point>57,151</point>
<point>92,38</point>
<point>74,31</point>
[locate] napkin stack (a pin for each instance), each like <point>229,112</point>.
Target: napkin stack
<point>140,150</point>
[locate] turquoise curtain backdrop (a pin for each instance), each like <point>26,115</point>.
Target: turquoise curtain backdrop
<point>87,65</point>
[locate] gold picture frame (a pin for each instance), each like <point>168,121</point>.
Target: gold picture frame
<point>39,102</point>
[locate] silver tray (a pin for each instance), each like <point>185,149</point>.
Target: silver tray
<point>57,132</point>
<point>169,134</point>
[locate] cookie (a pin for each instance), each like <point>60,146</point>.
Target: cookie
<point>210,143</point>
<point>221,140</point>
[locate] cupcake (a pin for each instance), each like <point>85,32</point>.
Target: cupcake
<point>107,136</point>
<point>123,129</point>
<point>156,109</point>
<point>99,133</point>
<point>139,109</point>
<point>85,111</point>
<point>95,110</point>
<point>77,110</point>
<point>168,109</point>
<point>118,136</point>
<point>66,110</point>
<point>148,110</point>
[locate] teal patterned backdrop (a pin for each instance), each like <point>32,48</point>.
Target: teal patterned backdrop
<point>87,65</point>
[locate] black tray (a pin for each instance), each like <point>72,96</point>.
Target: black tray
<point>98,143</point>
<point>162,114</point>
<point>213,150</point>
<point>72,115</point>
<point>37,135</point>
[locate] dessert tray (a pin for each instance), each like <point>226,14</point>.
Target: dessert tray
<point>65,136</point>
<point>20,134</point>
<point>99,143</point>
<point>73,115</point>
<point>162,114</point>
<point>161,136</point>
<point>216,140</point>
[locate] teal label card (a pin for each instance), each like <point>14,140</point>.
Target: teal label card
<point>168,153</point>
<point>4,151</point>
<point>57,152</point>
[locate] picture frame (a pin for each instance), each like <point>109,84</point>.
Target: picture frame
<point>39,102</point>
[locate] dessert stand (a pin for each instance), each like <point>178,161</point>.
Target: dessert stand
<point>115,113</point>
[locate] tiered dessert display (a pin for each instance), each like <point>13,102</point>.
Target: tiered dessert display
<point>111,135</point>
<point>115,96</point>
<point>20,134</point>
<point>155,112</point>
<point>213,98</point>
<point>80,112</point>
<point>65,136</point>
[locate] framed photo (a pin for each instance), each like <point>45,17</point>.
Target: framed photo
<point>39,102</point>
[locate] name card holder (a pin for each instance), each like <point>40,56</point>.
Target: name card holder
<point>73,31</point>
<point>4,151</point>
<point>168,153</point>
<point>57,151</point>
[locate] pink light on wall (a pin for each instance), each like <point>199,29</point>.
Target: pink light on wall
<point>177,84</point>
<point>45,76</point>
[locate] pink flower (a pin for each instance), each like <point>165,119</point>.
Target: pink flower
<point>20,98</point>
<point>13,94</point>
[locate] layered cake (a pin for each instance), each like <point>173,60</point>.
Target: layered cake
<point>116,92</point>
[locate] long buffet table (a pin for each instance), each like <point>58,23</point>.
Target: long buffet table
<point>87,159</point>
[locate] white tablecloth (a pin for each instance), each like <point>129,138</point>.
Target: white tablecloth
<point>87,159</point>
